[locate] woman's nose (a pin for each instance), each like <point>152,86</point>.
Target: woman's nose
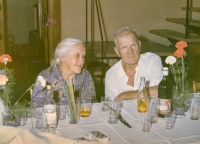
<point>82,60</point>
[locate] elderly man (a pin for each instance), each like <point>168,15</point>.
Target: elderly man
<point>123,79</point>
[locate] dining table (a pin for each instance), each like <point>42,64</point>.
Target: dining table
<point>185,130</point>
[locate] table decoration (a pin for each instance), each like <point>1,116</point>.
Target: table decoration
<point>178,66</point>
<point>11,115</point>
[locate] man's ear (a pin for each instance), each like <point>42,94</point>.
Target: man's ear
<point>117,52</point>
<point>139,44</point>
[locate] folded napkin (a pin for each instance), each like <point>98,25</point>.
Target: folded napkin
<point>97,136</point>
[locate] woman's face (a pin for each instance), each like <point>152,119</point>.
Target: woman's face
<point>74,61</point>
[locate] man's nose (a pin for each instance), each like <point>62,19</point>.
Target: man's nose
<point>130,50</point>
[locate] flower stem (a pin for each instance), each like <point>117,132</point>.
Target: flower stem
<point>24,93</point>
<point>183,74</point>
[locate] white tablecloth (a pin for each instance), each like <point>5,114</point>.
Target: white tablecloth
<point>184,131</point>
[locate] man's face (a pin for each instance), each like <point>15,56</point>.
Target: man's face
<point>74,61</point>
<point>128,48</point>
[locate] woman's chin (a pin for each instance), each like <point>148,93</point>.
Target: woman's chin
<point>78,71</point>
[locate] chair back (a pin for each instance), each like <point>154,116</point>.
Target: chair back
<point>31,92</point>
<point>196,86</point>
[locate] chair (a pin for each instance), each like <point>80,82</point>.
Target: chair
<point>196,86</point>
<point>31,92</point>
<point>98,71</point>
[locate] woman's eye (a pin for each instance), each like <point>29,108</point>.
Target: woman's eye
<point>77,56</point>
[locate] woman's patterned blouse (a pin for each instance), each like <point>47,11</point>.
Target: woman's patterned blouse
<point>52,76</point>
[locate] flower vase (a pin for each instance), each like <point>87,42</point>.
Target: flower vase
<point>10,120</point>
<point>180,105</point>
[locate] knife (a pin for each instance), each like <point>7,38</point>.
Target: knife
<point>122,119</point>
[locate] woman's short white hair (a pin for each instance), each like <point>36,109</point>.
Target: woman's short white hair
<point>122,30</point>
<point>63,48</point>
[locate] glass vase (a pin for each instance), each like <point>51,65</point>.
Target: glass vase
<point>180,105</point>
<point>10,120</point>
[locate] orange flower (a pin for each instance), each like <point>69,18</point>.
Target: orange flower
<point>5,58</point>
<point>179,52</point>
<point>181,45</point>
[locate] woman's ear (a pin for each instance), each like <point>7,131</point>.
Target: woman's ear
<point>117,51</point>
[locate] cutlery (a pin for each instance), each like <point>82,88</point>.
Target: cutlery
<point>122,119</point>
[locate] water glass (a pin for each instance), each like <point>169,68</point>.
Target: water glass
<point>74,111</point>
<point>195,108</point>
<point>104,103</point>
<point>170,120</point>
<point>153,109</point>
<point>61,110</point>
<point>23,119</point>
<point>113,112</point>
<point>146,121</point>
<point>40,118</point>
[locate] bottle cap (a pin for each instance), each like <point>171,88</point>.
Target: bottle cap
<point>48,86</point>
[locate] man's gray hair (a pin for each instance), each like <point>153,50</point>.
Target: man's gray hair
<point>63,49</point>
<point>128,29</point>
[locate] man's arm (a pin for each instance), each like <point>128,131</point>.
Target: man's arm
<point>133,94</point>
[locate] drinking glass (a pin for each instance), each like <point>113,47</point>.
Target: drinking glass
<point>23,119</point>
<point>104,103</point>
<point>195,108</point>
<point>170,120</point>
<point>61,110</point>
<point>40,118</point>
<point>86,106</point>
<point>74,111</point>
<point>146,121</point>
<point>113,112</point>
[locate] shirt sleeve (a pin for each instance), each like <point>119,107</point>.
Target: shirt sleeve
<point>110,86</point>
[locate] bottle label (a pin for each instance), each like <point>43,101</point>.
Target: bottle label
<point>164,106</point>
<point>51,118</point>
<point>50,113</point>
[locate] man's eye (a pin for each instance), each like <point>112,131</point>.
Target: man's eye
<point>123,47</point>
<point>133,46</point>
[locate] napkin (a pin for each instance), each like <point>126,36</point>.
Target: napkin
<point>97,136</point>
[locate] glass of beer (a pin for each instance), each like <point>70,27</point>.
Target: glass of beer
<point>86,106</point>
<point>143,104</point>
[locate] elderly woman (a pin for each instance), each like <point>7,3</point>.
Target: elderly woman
<point>67,65</point>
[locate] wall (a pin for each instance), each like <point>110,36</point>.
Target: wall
<point>143,15</point>
<point>20,19</point>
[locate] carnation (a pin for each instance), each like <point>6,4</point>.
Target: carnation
<point>40,80</point>
<point>170,60</point>
<point>3,79</point>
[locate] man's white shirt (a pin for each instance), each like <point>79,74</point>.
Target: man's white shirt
<point>149,66</point>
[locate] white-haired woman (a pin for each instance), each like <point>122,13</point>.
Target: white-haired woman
<point>67,65</point>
